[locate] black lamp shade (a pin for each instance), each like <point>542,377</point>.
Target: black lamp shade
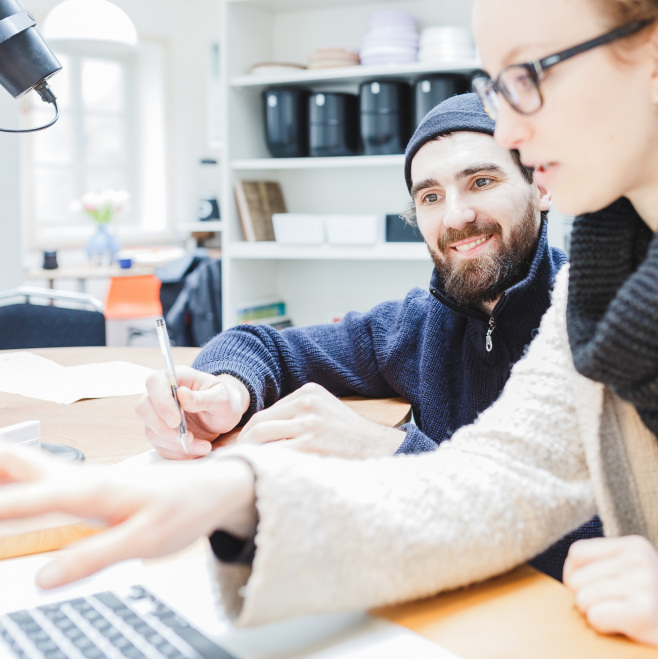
<point>25,58</point>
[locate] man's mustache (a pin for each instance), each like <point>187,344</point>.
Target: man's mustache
<point>471,230</point>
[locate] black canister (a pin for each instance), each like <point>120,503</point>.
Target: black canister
<point>434,89</point>
<point>286,121</point>
<point>333,124</point>
<point>50,260</point>
<point>399,230</point>
<point>385,117</point>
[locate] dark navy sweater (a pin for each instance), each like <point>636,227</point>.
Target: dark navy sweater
<point>426,348</point>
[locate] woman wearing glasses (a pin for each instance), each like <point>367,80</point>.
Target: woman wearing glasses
<point>573,434</point>
<point>574,88</point>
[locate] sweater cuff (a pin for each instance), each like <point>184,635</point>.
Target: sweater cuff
<point>229,549</point>
<point>415,441</point>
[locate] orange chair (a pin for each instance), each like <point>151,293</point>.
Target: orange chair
<point>133,297</point>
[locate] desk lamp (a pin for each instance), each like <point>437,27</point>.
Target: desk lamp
<point>26,61</point>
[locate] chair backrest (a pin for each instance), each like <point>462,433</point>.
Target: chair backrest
<point>27,292</point>
<point>39,326</point>
<point>133,297</point>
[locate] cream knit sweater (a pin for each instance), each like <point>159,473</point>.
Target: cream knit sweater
<point>555,449</point>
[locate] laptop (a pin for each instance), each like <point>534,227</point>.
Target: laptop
<point>167,609</point>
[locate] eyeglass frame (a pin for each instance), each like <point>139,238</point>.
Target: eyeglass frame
<point>537,68</point>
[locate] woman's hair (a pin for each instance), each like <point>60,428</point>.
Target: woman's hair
<point>621,12</point>
<point>627,11</point>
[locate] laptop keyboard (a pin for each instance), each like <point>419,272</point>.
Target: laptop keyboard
<point>135,624</point>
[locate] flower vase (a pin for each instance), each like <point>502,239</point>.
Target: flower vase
<point>102,246</point>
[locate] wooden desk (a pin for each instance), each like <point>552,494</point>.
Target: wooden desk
<point>520,615</point>
<point>107,430</point>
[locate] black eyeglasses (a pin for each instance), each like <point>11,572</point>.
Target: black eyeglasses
<point>519,83</point>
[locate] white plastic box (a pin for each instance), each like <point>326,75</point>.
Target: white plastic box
<point>298,228</point>
<point>355,229</point>
<point>27,433</point>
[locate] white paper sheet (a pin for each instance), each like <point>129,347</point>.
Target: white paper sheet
<point>30,375</point>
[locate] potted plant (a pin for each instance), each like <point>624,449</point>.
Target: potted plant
<point>102,207</point>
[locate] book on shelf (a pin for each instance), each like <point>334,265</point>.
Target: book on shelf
<point>256,310</point>
<point>256,202</point>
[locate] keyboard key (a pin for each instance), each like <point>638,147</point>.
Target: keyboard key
<point>45,645</point>
<point>93,653</point>
<point>72,632</point>
<point>21,617</point>
<point>120,642</point>
<point>202,644</point>
<point>110,600</point>
<point>100,624</point>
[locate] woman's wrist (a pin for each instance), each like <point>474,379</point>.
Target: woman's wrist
<point>233,485</point>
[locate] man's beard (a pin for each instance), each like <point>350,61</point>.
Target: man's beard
<point>486,277</point>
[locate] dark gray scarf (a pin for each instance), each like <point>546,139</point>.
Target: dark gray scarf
<point>612,309</point>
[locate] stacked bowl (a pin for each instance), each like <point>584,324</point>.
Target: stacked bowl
<point>446,43</point>
<point>392,38</point>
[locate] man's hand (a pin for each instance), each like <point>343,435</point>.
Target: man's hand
<point>212,404</point>
<point>315,421</point>
<point>150,511</point>
<point>615,584</point>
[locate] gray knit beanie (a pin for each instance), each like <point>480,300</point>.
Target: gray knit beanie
<point>458,113</point>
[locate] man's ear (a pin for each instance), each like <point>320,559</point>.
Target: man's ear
<point>544,199</point>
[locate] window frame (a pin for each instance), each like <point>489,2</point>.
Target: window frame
<point>139,230</point>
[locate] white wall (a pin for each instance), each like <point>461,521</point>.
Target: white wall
<point>189,28</point>
<point>10,212</point>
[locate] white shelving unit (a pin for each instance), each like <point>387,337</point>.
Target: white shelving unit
<point>212,225</point>
<point>316,282</point>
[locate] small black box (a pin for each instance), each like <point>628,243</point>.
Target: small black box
<point>399,231</point>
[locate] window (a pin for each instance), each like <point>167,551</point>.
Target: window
<point>110,134</point>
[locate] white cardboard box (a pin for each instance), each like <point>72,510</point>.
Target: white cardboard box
<point>355,229</point>
<point>298,228</point>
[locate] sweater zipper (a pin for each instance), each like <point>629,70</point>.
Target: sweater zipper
<point>488,342</point>
<point>487,339</point>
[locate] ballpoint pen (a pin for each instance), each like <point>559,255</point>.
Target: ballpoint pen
<point>165,348</point>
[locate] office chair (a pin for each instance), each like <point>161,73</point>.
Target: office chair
<point>128,300</point>
<point>26,325</point>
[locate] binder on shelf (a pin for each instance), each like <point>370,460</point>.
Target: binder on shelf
<point>256,202</point>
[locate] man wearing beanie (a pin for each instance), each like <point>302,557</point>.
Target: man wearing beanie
<point>448,351</point>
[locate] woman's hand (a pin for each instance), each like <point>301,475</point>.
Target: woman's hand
<point>212,404</point>
<point>149,511</point>
<point>615,584</point>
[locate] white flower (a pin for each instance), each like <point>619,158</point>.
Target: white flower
<point>102,205</point>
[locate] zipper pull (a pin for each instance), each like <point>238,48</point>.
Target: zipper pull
<point>487,339</point>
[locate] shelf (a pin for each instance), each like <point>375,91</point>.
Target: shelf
<point>380,252</point>
<point>201,226</point>
<point>396,160</point>
<point>354,73</point>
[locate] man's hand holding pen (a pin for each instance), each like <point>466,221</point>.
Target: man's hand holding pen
<point>212,405</point>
